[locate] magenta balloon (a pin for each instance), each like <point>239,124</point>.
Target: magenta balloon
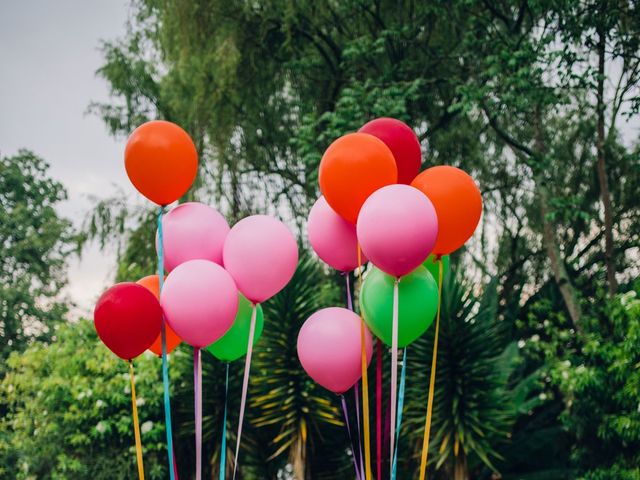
<point>200,301</point>
<point>397,227</point>
<point>330,348</point>
<point>261,255</point>
<point>333,238</point>
<point>193,231</point>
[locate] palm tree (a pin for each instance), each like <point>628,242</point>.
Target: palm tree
<point>473,411</point>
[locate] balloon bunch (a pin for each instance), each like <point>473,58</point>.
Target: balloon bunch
<point>377,206</point>
<point>217,278</point>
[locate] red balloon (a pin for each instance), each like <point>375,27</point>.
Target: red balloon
<point>403,143</point>
<point>128,318</point>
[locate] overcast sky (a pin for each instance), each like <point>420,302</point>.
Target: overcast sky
<point>49,52</point>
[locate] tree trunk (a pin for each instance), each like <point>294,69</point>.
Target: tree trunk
<point>460,466</point>
<point>552,247</point>
<point>555,258</point>
<point>602,171</point>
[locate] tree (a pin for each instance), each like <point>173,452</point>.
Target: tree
<point>35,244</point>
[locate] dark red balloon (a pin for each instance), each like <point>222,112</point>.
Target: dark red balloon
<point>403,143</point>
<point>128,319</point>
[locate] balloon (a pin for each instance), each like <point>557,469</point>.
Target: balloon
<point>200,301</point>
<point>397,228</point>
<point>431,264</point>
<point>333,238</point>
<point>329,348</point>
<point>457,201</point>
<point>351,169</point>
<point>403,143</point>
<point>161,161</point>
<point>417,304</point>
<point>234,343</point>
<point>151,283</point>
<point>193,231</point>
<point>261,255</point>
<point>128,318</point>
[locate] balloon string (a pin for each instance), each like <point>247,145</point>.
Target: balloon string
<point>400,407</point>
<point>349,299</point>
<point>346,421</point>
<point>356,395</point>
<point>356,391</point>
<point>223,444</point>
<point>365,383</point>
<point>197,390</point>
<point>394,372</point>
<point>136,424</point>
<point>245,387</point>
<point>379,408</point>
<point>165,367</point>
<point>432,381</point>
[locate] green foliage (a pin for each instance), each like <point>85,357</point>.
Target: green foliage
<point>475,404</point>
<point>69,411</point>
<point>35,243</point>
<point>597,375</point>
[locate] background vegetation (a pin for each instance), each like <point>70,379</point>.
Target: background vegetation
<point>539,366</point>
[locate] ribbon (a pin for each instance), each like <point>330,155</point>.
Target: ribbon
<point>349,299</point>
<point>245,387</point>
<point>365,383</point>
<point>223,444</point>
<point>356,390</point>
<point>432,381</point>
<point>379,408</point>
<point>346,421</point>
<point>356,397</point>
<point>136,424</point>
<point>197,393</point>
<point>394,373</point>
<point>400,407</point>
<point>165,367</point>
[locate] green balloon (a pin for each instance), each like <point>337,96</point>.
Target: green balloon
<point>417,304</point>
<point>432,265</point>
<point>233,344</point>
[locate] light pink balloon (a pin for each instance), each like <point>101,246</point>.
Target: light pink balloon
<point>200,301</point>
<point>330,348</point>
<point>193,231</point>
<point>333,238</point>
<point>261,255</point>
<point>397,228</point>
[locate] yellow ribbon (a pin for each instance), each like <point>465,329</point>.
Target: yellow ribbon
<point>136,425</point>
<point>432,381</point>
<point>365,383</point>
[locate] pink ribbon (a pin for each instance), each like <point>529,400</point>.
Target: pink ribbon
<point>379,408</point>
<point>197,391</point>
<point>394,374</point>
<point>245,387</point>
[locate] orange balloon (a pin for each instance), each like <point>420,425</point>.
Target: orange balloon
<point>173,340</point>
<point>458,204</point>
<point>351,169</point>
<point>161,161</point>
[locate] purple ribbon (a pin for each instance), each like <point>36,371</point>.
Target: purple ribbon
<point>353,450</point>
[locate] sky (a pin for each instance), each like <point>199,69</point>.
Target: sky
<point>49,52</point>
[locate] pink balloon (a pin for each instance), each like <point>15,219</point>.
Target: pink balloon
<point>261,255</point>
<point>200,302</point>
<point>329,348</point>
<point>397,228</point>
<point>193,231</point>
<point>333,238</point>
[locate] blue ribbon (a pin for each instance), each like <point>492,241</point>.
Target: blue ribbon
<point>400,405</point>
<point>165,367</point>
<point>223,445</point>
